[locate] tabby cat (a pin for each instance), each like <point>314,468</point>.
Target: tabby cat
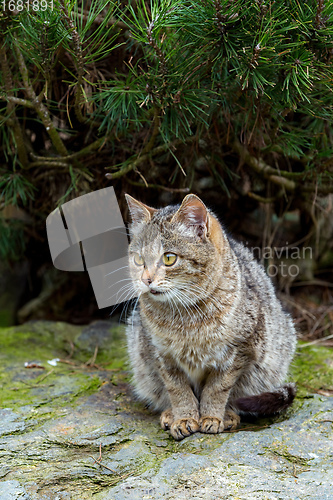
<point>209,339</point>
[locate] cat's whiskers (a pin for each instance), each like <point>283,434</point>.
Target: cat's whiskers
<point>128,292</point>
<point>168,290</point>
<point>119,281</point>
<point>126,306</point>
<point>191,288</point>
<point>119,230</point>
<point>190,285</point>
<point>183,297</point>
<point>123,291</point>
<point>181,316</point>
<point>191,313</point>
<point>174,292</point>
<point>116,305</point>
<point>133,311</point>
<point>119,268</point>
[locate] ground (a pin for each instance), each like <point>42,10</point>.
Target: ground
<point>72,429</point>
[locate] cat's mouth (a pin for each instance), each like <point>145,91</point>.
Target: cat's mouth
<point>156,292</point>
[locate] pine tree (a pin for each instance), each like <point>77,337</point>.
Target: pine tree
<point>142,91</point>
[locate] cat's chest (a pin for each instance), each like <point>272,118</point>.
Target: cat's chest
<point>196,347</point>
<point>195,353</point>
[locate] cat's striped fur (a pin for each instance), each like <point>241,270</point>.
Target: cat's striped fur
<point>209,338</point>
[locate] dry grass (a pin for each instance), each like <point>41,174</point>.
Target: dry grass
<point>312,310</point>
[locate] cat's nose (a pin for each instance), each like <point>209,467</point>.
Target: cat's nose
<point>146,278</point>
<point>146,281</point>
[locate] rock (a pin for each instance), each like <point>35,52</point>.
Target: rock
<point>10,422</point>
<point>98,334</point>
<point>74,430</point>
<point>12,490</point>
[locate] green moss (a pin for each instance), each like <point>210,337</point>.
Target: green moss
<point>54,386</point>
<point>289,457</point>
<point>114,356</point>
<point>312,369</point>
<point>38,339</point>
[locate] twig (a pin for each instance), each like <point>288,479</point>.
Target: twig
<point>312,282</point>
<point>72,349</point>
<point>251,427</point>
<point>299,307</point>
<point>99,459</point>
<point>91,361</point>
<point>262,199</point>
<point>67,362</point>
<point>99,462</point>
<point>125,169</point>
<point>159,186</point>
<point>44,376</point>
<point>322,316</point>
<point>317,341</point>
<point>100,452</point>
<point>33,386</point>
<point>322,392</point>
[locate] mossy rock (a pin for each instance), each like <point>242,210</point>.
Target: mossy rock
<point>55,421</point>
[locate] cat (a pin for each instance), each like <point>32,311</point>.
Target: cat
<point>208,340</point>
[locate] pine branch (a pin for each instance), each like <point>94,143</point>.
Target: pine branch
<point>319,22</point>
<point>279,177</point>
<point>17,100</point>
<point>156,129</point>
<point>79,64</point>
<point>83,152</point>
<point>12,118</point>
<point>39,107</point>
<point>50,164</point>
<point>152,42</point>
<point>262,168</point>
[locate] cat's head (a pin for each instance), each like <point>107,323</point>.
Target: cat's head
<point>174,251</point>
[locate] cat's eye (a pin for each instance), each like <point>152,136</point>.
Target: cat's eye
<point>138,260</point>
<point>169,259</point>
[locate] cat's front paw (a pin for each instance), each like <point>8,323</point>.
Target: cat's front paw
<point>214,425</point>
<point>166,419</point>
<point>183,427</point>
<point>211,425</point>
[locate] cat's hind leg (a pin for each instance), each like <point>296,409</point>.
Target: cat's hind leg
<point>231,420</point>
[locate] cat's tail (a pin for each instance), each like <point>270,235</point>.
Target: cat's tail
<point>267,403</point>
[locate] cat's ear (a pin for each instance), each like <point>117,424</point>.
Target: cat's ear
<point>139,211</point>
<point>194,214</point>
